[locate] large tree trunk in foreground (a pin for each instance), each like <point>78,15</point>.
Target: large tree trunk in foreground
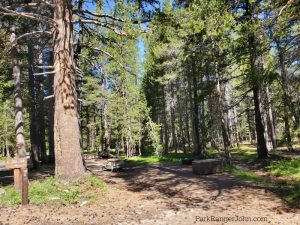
<point>68,155</point>
<point>19,130</point>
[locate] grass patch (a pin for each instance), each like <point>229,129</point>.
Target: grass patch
<point>153,159</point>
<point>170,157</point>
<point>246,175</point>
<point>3,158</point>
<point>289,191</point>
<point>288,168</point>
<point>56,192</point>
<point>244,152</point>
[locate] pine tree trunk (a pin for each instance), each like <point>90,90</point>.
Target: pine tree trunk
<point>187,125</point>
<point>270,120</point>
<point>265,117</point>
<point>181,131</point>
<point>68,153</point>
<point>223,117</point>
<point>193,92</point>
<point>87,115</point>
<point>165,122</point>
<point>41,116</point>
<point>51,158</point>
<point>173,116</point>
<point>32,111</point>
<point>262,150</point>
<point>6,153</point>
<point>286,99</point>
<point>105,128</point>
<point>19,130</point>
<point>236,128</point>
<point>93,136</point>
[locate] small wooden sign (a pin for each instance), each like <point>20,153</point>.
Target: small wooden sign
<point>16,163</point>
<point>19,165</point>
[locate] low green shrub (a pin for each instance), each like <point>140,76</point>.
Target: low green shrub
<point>53,191</point>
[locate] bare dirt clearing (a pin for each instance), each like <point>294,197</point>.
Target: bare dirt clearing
<point>164,193</point>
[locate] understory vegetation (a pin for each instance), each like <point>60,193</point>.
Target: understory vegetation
<point>89,189</point>
<point>288,190</point>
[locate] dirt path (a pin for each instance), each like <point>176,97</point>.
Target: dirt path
<point>165,193</point>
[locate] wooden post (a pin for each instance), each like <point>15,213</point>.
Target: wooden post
<point>17,179</point>
<point>19,165</point>
<point>24,173</point>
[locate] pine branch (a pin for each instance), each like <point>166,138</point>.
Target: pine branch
<point>45,67</point>
<point>104,52</point>
<point>14,42</point>
<point>98,15</point>
<point>44,73</point>
<point>48,97</point>
<point>102,24</point>
<point>31,4</point>
<point>31,16</point>
<point>136,21</point>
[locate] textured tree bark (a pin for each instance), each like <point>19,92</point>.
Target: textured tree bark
<point>19,130</point>
<point>67,138</point>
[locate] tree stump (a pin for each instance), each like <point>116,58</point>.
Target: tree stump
<point>207,166</point>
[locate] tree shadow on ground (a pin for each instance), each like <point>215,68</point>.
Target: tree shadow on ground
<point>178,183</point>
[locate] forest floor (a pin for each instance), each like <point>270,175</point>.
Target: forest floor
<point>166,193</point>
